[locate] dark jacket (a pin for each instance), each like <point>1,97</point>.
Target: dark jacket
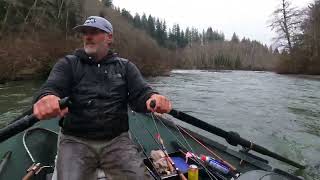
<point>100,93</point>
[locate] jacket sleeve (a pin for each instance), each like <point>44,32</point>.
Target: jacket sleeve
<point>58,82</point>
<point>139,90</point>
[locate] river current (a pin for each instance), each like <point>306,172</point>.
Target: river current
<point>279,112</point>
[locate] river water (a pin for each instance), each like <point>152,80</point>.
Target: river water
<point>279,112</point>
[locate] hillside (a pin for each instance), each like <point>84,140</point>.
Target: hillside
<point>31,44</point>
<point>40,31</point>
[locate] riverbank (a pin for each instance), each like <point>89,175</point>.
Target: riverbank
<point>34,73</point>
<point>32,57</point>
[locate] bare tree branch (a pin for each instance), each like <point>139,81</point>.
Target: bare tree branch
<point>286,22</point>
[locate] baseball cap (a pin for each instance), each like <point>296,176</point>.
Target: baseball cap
<point>96,22</point>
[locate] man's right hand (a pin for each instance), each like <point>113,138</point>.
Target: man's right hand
<point>48,107</point>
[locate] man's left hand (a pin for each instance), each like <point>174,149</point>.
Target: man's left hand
<point>163,105</point>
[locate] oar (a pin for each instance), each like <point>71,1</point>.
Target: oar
<point>25,113</point>
<point>5,160</point>
<point>24,123</point>
<point>232,138</point>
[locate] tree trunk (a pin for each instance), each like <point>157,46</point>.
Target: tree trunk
<point>29,12</point>
<point>5,19</point>
<point>285,25</point>
<point>67,18</point>
<point>60,9</point>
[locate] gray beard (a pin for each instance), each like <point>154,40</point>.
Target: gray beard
<point>90,51</point>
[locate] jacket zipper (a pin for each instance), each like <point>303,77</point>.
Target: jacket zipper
<point>100,87</point>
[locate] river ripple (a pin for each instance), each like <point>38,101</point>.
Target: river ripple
<point>277,111</point>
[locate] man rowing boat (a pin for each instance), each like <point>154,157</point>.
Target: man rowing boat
<point>94,129</point>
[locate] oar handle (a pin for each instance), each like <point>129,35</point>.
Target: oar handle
<point>25,122</point>
<point>64,102</point>
<point>153,103</point>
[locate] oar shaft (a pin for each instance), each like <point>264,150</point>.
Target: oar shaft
<point>4,161</point>
<point>17,127</point>
<point>25,122</point>
<point>231,137</point>
<point>26,113</point>
<point>198,123</point>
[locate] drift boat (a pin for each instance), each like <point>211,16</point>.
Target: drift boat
<point>30,154</point>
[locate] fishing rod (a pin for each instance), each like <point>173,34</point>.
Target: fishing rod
<point>205,147</point>
<point>208,149</point>
<point>163,149</point>
<point>160,146</point>
<point>231,137</point>
<point>182,145</point>
<point>157,176</point>
<point>195,158</point>
<point>25,122</point>
<point>181,175</point>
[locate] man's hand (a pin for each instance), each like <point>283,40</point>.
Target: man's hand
<point>163,105</point>
<point>48,107</point>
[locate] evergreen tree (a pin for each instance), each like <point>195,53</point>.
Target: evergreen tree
<point>144,22</point>
<point>188,36</point>
<point>237,63</point>
<point>235,38</point>
<point>218,36</point>
<point>159,32</point>
<point>107,3</point>
<point>311,29</point>
<point>164,30</point>
<point>151,26</point>
<point>171,34</point>
<point>3,8</point>
<point>245,40</point>
<point>183,41</point>
<point>204,39</point>
<point>195,35</point>
<point>177,33</point>
<point>137,21</point>
<point>126,14</point>
<point>209,35</point>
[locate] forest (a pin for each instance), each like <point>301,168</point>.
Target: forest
<point>34,34</point>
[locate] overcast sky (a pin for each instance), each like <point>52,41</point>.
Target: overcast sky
<point>247,18</point>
